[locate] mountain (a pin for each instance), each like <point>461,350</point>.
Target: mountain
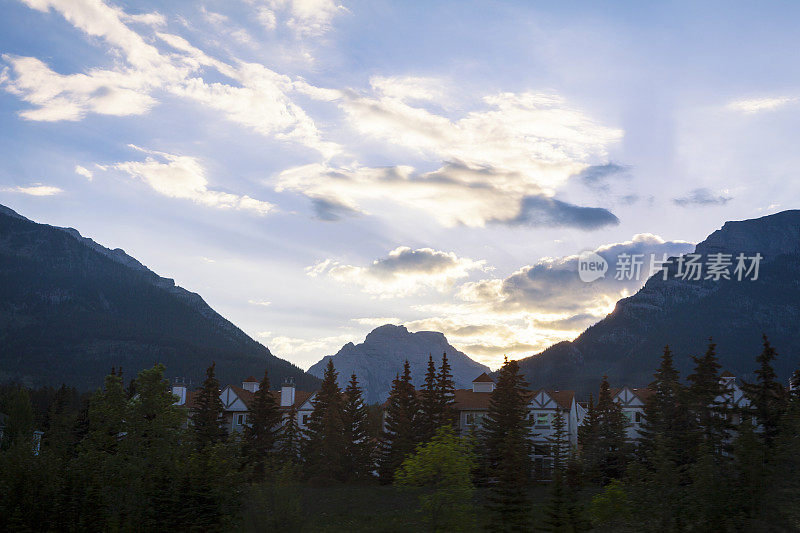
<point>627,344</point>
<point>378,359</point>
<point>71,309</point>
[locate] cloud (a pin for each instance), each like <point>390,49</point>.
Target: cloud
<point>548,212</point>
<point>756,105</point>
<point>376,321</point>
<point>258,98</point>
<point>179,176</point>
<point>285,346</point>
<point>85,172</point>
<point>262,303</point>
<point>597,175</point>
<point>539,304</point>
<point>304,17</point>
<point>701,196</point>
<point>454,194</point>
<point>37,189</point>
<point>402,272</point>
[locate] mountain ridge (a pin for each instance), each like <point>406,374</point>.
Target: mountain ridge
<point>103,308</point>
<point>627,343</point>
<point>378,359</point>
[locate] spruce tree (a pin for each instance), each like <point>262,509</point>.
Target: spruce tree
<point>768,397</point>
<point>557,517</point>
<point>708,414</point>
<point>558,442</point>
<point>207,421</point>
<point>358,444</point>
<point>290,438</point>
<point>430,404</point>
<point>589,439</point>
<point>324,445</point>
<point>612,440</point>
<point>261,435</point>
<point>506,446</point>
<point>665,415</point>
<point>447,393</point>
<point>399,436</point>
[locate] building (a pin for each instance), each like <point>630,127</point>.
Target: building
<point>236,402</point>
<point>632,402</point>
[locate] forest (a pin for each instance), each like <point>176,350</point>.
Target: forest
<point>126,458</point>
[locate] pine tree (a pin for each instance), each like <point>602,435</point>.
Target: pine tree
<point>290,438</point>
<point>358,444</point>
<point>430,405</point>
<point>324,445</point>
<point>261,435</point>
<point>708,416</point>
<point>447,393</point>
<point>611,434</point>
<point>207,417</point>
<point>665,415</point>
<point>506,446</point>
<point>399,436</point>
<point>768,397</point>
<point>557,517</point>
<point>589,439</point>
<point>749,457</point>
<point>558,442</point>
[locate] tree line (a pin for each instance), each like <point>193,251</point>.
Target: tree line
<point>127,458</point>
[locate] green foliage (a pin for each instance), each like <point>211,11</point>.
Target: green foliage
<point>708,415</point>
<point>442,469</point>
<point>261,434</point>
<point>769,398</point>
<point>446,393</point>
<point>275,503</point>
<point>324,446</point>
<point>207,417</point>
<point>290,438</point>
<point>558,442</point>
<point>612,447</point>
<point>430,404</point>
<point>399,437</point>
<point>506,451</point>
<point>610,507</point>
<point>358,454</point>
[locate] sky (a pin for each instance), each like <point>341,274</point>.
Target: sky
<point>315,169</point>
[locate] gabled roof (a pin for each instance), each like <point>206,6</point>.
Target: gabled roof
<point>483,378</point>
<point>251,379</point>
<point>466,399</point>
<point>562,397</point>
<point>643,394</point>
<point>727,374</point>
<point>246,396</point>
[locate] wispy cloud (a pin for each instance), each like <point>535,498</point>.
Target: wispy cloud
<point>181,176</point>
<point>85,172</point>
<point>702,197</point>
<point>37,189</point>
<point>755,105</point>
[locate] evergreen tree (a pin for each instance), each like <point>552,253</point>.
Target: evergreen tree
<point>290,438</point>
<point>768,397</point>
<point>557,516</point>
<point>261,435</point>
<point>430,404</point>
<point>708,414</point>
<point>447,393</point>
<point>665,416</point>
<point>399,436</point>
<point>612,424</point>
<point>207,417</point>
<point>358,444</point>
<point>506,443</point>
<point>589,439</point>
<point>324,445</point>
<point>749,457</point>
<point>558,442</point>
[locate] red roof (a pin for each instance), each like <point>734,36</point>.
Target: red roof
<point>466,399</point>
<point>247,397</point>
<point>251,379</point>
<point>483,378</point>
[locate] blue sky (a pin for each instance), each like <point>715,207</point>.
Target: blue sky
<point>314,169</point>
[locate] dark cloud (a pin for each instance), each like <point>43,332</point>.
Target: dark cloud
<point>330,210</point>
<point>701,196</point>
<point>575,322</point>
<point>407,261</point>
<point>596,175</point>
<point>549,212</point>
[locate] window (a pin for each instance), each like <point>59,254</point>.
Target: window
<point>638,417</point>
<point>542,421</point>
<point>240,420</point>
<point>541,449</point>
<point>470,419</point>
<point>305,419</point>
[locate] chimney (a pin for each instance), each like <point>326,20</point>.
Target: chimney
<point>179,390</point>
<point>250,384</point>
<point>287,393</point>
